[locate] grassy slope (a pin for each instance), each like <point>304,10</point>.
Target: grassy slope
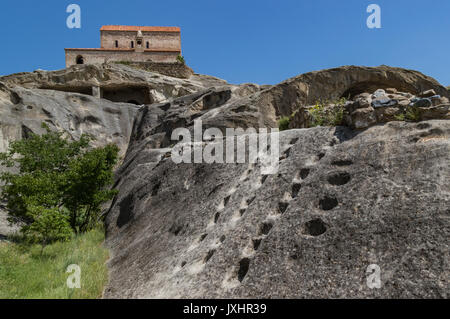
<point>26,274</point>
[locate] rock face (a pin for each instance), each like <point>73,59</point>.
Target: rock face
<point>382,106</point>
<point>118,83</point>
<point>64,101</point>
<point>341,201</point>
<point>249,105</point>
<point>177,70</point>
<point>348,81</point>
<point>24,110</point>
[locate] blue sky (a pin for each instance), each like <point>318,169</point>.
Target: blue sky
<point>264,41</point>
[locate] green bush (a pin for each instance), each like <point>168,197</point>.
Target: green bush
<point>322,115</point>
<point>49,225</point>
<point>411,114</point>
<point>181,59</point>
<point>60,184</point>
<point>283,123</point>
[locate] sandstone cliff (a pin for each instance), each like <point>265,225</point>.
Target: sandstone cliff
<point>341,202</point>
<point>343,198</point>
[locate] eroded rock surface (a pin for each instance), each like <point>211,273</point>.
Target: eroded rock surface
<point>348,81</point>
<point>64,101</point>
<point>118,83</point>
<point>341,201</point>
<point>22,111</point>
<point>368,109</point>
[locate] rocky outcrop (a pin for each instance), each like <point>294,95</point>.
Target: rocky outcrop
<point>22,111</point>
<point>341,201</point>
<point>248,105</point>
<point>64,101</point>
<point>382,106</point>
<point>176,70</point>
<point>270,101</point>
<point>386,106</point>
<point>213,106</point>
<point>253,106</point>
<point>264,107</point>
<point>115,82</point>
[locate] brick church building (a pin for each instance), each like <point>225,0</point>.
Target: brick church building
<point>130,43</point>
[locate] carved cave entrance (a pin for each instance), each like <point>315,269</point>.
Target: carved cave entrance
<point>128,94</point>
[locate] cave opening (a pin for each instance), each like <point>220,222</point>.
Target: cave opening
<point>137,95</point>
<point>371,87</point>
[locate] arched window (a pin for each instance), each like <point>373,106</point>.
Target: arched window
<point>117,44</point>
<point>148,45</point>
<point>132,44</point>
<point>80,59</point>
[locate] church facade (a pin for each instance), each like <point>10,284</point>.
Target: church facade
<point>130,44</point>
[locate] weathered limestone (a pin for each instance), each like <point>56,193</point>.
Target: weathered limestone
<point>24,110</point>
<point>113,79</point>
<point>341,201</point>
<point>368,109</point>
<point>176,70</point>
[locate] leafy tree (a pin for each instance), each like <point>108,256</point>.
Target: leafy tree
<point>57,185</point>
<point>85,186</point>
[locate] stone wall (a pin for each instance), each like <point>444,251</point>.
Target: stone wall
<point>98,56</point>
<point>156,40</point>
<point>177,70</point>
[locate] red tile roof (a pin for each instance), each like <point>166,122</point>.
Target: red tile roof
<point>136,28</point>
<point>98,49</point>
<point>121,49</point>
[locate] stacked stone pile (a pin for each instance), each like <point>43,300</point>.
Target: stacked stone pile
<point>384,105</point>
<point>366,109</point>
